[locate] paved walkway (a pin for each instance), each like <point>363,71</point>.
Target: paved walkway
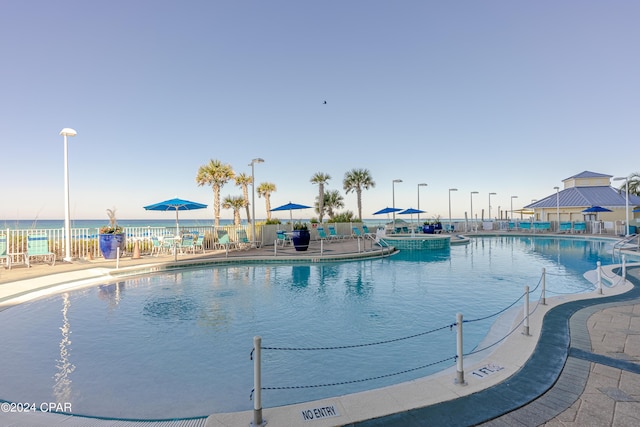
<point>584,371</point>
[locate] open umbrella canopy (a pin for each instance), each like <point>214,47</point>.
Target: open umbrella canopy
<point>290,207</point>
<point>175,205</point>
<point>595,209</point>
<point>636,210</point>
<point>387,210</point>
<point>411,211</point>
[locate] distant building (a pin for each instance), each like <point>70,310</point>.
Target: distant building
<point>583,191</point>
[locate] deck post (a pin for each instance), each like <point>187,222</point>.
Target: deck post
<point>257,382</point>
<point>544,286</point>
<point>459,362</point>
<point>526,310</point>
<point>599,283</point>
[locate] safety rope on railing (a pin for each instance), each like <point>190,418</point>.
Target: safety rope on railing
<point>356,381</point>
<point>504,309</point>
<point>450,326</point>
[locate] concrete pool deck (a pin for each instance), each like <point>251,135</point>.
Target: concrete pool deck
<point>593,342</point>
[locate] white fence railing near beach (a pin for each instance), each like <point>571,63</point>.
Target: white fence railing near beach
<point>85,243</point>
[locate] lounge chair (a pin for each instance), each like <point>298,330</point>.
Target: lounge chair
<point>334,235</point>
<point>3,252</point>
<point>356,232</point>
<point>38,247</point>
<point>322,234</point>
<point>580,227</point>
<point>565,227</point>
<point>243,240</point>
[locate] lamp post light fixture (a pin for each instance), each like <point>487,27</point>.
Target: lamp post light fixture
<point>253,199</point>
<point>512,197</point>
<point>473,223</point>
<point>393,199</point>
<point>557,205</point>
<point>490,194</point>
<point>420,185</point>
<point>450,190</point>
<point>626,205</point>
<point>67,212</point>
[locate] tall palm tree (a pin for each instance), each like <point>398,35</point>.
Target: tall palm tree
<point>634,184</point>
<point>264,190</point>
<point>236,203</point>
<point>243,180</point>
<point>358,180</point>
<point>216,174</point>
<point>321,179</point>
<point>332,200</point>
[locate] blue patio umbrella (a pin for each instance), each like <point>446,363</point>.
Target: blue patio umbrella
<point>636,210</point>
<point>596,209</point>
<point>290,207</point>
<point>175,205</point>
<point>387,211</point>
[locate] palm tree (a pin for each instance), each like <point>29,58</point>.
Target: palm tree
<point>332,200</point>
<point>243,180</point>
<point>265,189</point>
<point>216,174</point>
<point>321,179</point>
<point>634,184</point>
<point>358,180</point>
<point>236,203</point>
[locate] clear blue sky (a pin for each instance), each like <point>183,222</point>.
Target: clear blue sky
<point>497,96</point>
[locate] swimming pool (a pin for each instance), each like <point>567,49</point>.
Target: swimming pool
<point>177,344</point>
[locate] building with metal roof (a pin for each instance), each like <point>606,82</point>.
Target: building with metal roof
<point>583,191</point>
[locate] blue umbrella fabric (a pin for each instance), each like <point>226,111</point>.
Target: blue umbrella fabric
<point>177,205</point>
<point>290,207</point>
<point>411,211</point>
<point>636,210</point>
<point>387,211</point>
<point>595,209</point>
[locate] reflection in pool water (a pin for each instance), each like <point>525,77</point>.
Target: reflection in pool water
<point>177,344</point>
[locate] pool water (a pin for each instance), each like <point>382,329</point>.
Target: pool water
<point>178,344</point>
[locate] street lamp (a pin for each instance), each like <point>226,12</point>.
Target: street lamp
<point>67,212</point>
<point>557,205</point>
<point>253,199</point>
<point>472,221</point>
<point>393,199</point>
<point>512,197</point>
<point>626,190</point>
<point>490,194</point>
<point>450,190</point>
<point>420,185</point>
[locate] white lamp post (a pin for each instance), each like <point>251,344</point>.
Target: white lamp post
<point>420,185</point>
<point>253,199</point>
<point>450,190</point>
<point>512,197</point>
<point>490,194</point>
<point>626,190</point>
<point>557,206</point>
<point>67,212</point>
<point>472,221</point>
<point>393,199</point>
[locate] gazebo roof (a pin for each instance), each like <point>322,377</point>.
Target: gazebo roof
<point>576,197</point>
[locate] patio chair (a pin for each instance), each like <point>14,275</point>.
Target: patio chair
<point>156,246</point>
<point>334,235</point>
<point>282,238</point>
<point>198,242</point>
<point>224,241</point>
<point>38,247</point>
<point>579,227</point>
<point>3,252</point>
<point>186,244</point>
<point>365,228</point>
<point>243,240</point>
<point>322,234</point>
